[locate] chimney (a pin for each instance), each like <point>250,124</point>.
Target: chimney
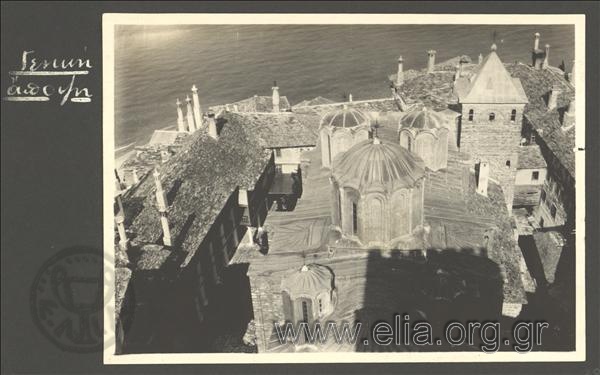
<point>536,41</point>
<point>480,59</point>
<point>197,109</point>
<point>430,61</point>
<point>457,73</point>
<point>180,121</point>
<point>482,178</point>
<point>553,98</point>
<point>275,97</point>
<point>545,63</point>
<point>569,116</point>
<point>537,55</point>
<point>190,115</point>
<point>135,176</point>
<point>161,200</point>
<point>400,76</point>
<point>212,126</point>
<point>120,218</point>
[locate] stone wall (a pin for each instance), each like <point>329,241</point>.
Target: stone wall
<point>526,195</point>
<point>267,303</point>
<point>494,141</point>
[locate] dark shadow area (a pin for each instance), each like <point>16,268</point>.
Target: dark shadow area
<point>437,288</point>
<point>554,303</point>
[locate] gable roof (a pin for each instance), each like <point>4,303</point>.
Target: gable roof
<point>199,179</point>
<point>491,83</point>
<point>274,130</point>
<point>530,157</point>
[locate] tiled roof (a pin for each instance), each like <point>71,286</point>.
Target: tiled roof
<point>537,85</point>
<point>491,83</point>
<point>530,157</point>
<point>261,104</point>
<point>319,100</point>
<point>198,180</point>
<point>163,137</point>
<point>370,164</point>
<point>275,131</point>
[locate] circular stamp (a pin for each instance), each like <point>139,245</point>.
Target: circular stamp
<point>67,299</point>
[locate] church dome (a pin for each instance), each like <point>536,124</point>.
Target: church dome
<point>373,163</point>
<point>345,118</point>
<point>308,281</point>
<point>423,119</point>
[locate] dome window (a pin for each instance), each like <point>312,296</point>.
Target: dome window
<point>308,293</point>
<point>341,129</point>
<point>378,180</point>
<point>425,133</point>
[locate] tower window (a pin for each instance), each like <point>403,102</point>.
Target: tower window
<point>513,115</point>
<point>492,116</point>
<point>354,218</point>
<point>543,195</point>
<point>471,113</point>
<point>532,138</point>
<point>535,175</point>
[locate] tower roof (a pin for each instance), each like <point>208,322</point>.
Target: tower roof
<point>374,164</point>
<point>491,84</point>
<point>346,117</point>
<point>422,119</point>
<point>309,280</point>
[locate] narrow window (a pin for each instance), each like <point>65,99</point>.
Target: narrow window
<point>535,175</point>
<point>541,222</point>
<point>320,305</point>
<point>508,164</point>
<point>513,115</point>
<point>304,312</point>
<point>543,195</point>
<point>532,138</point>
<point>354,218</point>
<point>553,211</point>
<point>492,116</point>
<point>408,142</point>
<point>471,115</point>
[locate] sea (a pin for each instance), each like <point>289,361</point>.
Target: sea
<point>155,65</point>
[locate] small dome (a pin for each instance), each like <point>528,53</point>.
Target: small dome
<point>422,119</point>
<point>310,280</point>
<point>345,118</point>
<point>373,162</point>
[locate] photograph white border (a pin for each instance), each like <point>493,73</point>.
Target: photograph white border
<point>110,20</point>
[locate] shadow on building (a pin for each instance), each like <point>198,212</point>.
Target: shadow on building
<point>436,287</point>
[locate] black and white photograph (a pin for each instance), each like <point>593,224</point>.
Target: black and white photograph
<point>345,187</point>
<point>302,187</point>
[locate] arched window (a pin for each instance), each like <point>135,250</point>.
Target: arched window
<point>354,218</point>
<point>492,116</point>
<point>304,312</point>
<point>513,115</point>
<point>471,113</point>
